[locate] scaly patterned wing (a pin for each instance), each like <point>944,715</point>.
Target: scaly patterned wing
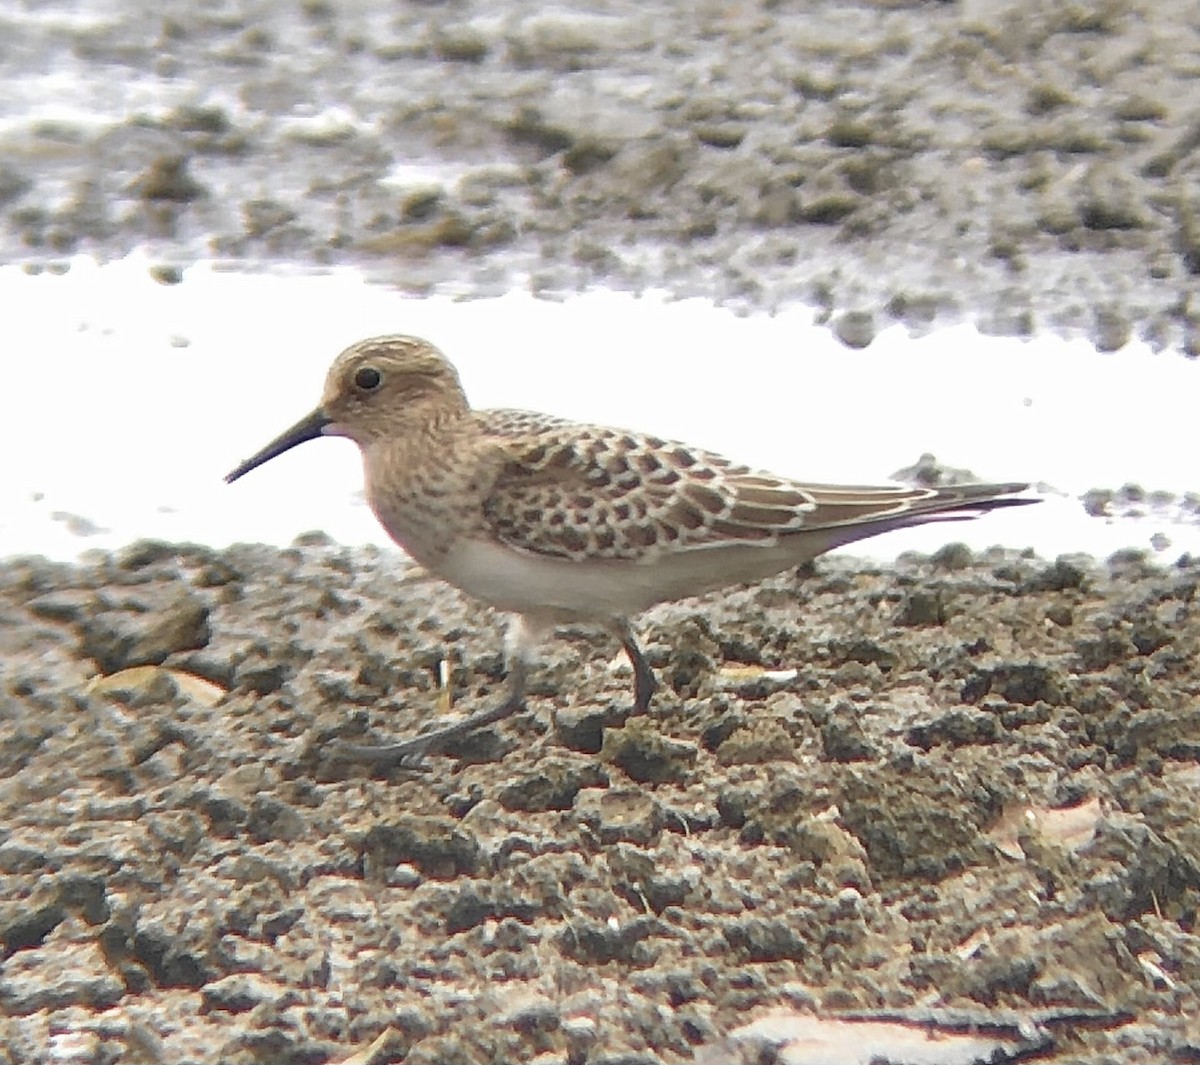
<point>576,491</point>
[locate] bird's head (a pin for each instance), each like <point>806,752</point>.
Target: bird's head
<point>374,389</point>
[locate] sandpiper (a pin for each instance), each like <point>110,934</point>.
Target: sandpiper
<point>561,523</point>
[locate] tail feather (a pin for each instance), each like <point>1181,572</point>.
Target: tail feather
<point>958,503</point>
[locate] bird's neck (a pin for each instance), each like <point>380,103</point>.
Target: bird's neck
<point>423,487</point>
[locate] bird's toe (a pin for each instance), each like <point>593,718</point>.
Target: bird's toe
<point>409,754</point>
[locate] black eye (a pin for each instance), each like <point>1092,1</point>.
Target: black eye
<point>367,378</point>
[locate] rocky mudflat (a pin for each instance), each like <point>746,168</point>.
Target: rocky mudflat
<point>950,799</point>
<point>959,792</point>
<point>1029,166</point>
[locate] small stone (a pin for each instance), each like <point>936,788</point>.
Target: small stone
<point>562,34</point>
<point>1096,502</point>
<point>628,815</point>
<point>120,638</point>
<point>1065,573</point>
<point>271,819</point>
<point>843,737</point>
<point>165,274</point>
<point>595,943</point>
<point>168,179</point>
<point>855,329</point>
<point>720,134</point>
<point>581,728</point>
<point>461,43</point>
<point>1113,330</point>
<point>553,787</point>
<point>67,604</point>
<point>437,846</point>
<point>57,979</point>
<point>20,858</point>
<point>952,557</point>
<point>22,928</point>
<point>757,939</point>
<point>957,727</point>
<point>646,755</point>
<point>764,739</point>
<point>238,993</point>
<point>921,608</point>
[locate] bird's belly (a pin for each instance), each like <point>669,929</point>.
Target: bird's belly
<point>525,583</point>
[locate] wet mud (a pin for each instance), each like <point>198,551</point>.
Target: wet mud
<point>1030,167</point>
<point>956,794</point>
<point>963,786</point>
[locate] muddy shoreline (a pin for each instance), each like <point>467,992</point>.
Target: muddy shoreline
<point>1028,167</point>
<point>966,783</point>
<point>959,791</point>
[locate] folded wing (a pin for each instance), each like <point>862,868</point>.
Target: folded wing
<point>575,492</point>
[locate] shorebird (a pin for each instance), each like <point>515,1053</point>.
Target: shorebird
<point>562,523</point>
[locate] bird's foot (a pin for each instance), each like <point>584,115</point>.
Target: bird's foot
<point>409,754</point>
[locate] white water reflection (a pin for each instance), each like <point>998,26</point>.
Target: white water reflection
<point>127,400</point>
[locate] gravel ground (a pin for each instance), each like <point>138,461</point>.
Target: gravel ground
<point>965,784</point>
<point>957,794</point>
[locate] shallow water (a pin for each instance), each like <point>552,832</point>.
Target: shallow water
<point>129,399</point>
